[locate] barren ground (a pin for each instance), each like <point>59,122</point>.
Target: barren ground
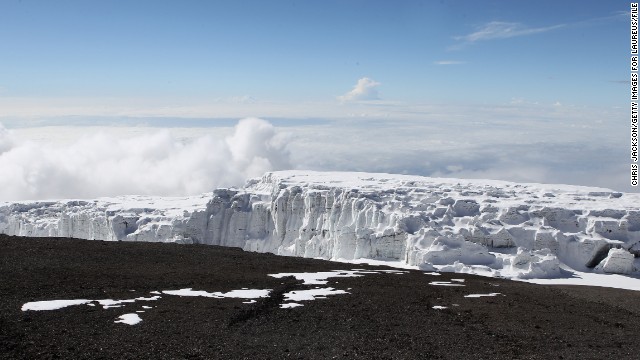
<point>383,316</point>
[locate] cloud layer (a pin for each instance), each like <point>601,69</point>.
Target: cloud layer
<point>157,163</point>
<point>524,142</point>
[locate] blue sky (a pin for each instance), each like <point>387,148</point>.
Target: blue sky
<point>288,51</point>
<point>532,91</point>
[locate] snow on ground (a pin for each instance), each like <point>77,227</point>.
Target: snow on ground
<point>312,294</point>
<point>593,279</point>
<point>317,278</point>
<point>444,283</point>
<point>129,319</point>
<point>240,294</point>
<point>321,278</point>
<point>52,304</point>
<point>481,295</point>
<point>569,277</point>
<point>290,305</point>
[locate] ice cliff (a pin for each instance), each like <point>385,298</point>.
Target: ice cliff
<point>492,227</point>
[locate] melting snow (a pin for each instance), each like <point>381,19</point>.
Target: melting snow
<point>129,319</point>
<point>481,295</point>
<point>52,304</point>
<point>444,283</point>
<point>320,278</point>
<point>289,305</point>
<point>241,294</point>
<point>311,294</point>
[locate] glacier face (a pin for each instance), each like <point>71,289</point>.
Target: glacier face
<point>492,227</point>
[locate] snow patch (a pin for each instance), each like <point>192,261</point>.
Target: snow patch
<point>481,295</point>
<point>241,294</point>
<point>444,283</point>
<point>129,319</point>
<point>312,294</point>
<point>289,305</point>
<point>52,304</point>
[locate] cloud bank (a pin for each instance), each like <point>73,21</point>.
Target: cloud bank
<point>365,89</point>
<point>524,142</point>
<point>155,164</point>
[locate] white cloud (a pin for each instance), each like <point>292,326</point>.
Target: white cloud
<point>155,163</point>
<point>365,89</point>
<point>520,141</point>
<point>528,143</point>
<point>503,30</point>
<point>6,140</point>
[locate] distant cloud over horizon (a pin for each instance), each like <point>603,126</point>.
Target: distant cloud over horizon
<point>365,89</point>
<point>551,144</point>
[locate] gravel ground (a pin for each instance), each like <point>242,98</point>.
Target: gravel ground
<point>383,316</point>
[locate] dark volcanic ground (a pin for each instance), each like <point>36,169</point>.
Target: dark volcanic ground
<point>383,316</point>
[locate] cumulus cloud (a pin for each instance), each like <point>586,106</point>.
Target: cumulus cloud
<point>156,163</point>
<point>365,89</point>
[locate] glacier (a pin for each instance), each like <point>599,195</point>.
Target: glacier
<point>488,227</point>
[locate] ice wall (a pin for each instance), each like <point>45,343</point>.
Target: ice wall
<point>499,228</point>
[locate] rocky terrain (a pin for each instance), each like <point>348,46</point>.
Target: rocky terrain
<point>379,314</point>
